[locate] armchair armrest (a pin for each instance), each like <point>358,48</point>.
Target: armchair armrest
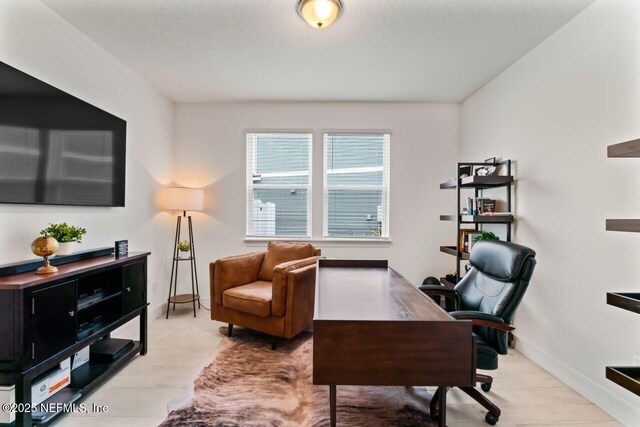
<point>281,275</point>
<point>301,291</point>
<point>233,271</point>
<point>479,318</point>
<point>438,290</point>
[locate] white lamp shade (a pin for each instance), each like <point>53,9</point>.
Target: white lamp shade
<point>184,199</point>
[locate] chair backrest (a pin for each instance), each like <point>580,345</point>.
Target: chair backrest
<point>498,279</point>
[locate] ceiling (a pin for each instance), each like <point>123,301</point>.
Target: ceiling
<point>261,50</point>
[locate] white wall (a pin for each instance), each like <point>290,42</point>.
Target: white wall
<point>38,42</point>
<point>554,112</point>
<point>209,152</point>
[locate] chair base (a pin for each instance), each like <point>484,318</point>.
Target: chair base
<point>493,414</point>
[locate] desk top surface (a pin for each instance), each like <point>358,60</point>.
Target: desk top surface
<point>370,290</point>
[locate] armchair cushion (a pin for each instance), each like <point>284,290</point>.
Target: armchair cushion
<point>253,298</point>
<point>280,277</point>
<point>279,252</point>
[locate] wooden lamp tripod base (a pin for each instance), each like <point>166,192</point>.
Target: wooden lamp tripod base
<point>194,296</point>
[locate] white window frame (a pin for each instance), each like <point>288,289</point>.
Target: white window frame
<point>251,148</point>
<point>385,234</point>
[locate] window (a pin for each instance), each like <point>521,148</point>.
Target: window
<point>279,185</point>
<point>356,185</point>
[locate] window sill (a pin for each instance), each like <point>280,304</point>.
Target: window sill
<point>326,242</point>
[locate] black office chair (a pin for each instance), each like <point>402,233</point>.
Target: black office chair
<point>488,295</point>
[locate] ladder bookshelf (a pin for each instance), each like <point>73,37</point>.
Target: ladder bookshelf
<point>476,184</point>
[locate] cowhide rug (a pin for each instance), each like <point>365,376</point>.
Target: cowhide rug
<point>248,384</point>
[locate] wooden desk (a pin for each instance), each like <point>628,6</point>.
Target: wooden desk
<point>373,327</point>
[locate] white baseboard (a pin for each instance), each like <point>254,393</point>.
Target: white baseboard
<point>620,409</point>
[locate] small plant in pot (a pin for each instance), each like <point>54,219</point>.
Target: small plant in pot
<point>184,247</point>
<point>68,236</point>
<point>486,235</point>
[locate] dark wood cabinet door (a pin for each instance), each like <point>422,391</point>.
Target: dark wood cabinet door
<point>53,320</point>
<point>134,286</point>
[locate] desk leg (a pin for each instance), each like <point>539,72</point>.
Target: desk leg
<point>442,422</point>
<point>332,404</point>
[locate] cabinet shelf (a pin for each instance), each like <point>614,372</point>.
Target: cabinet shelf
<point>479,182</point>
<point>625,301</point>
<point>627,377</point>
<point>90,301</point>
<point>479,219</point>
<point>64,396</point>
<point>91,374</point>
<point>624,149</point>
<point>629,225</point>
<point>451,250</point>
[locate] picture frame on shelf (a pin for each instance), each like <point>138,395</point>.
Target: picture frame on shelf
<point>490,169</point>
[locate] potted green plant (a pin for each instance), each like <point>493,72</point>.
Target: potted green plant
<point>68,236</point>
<point>184,247</point>
<point>485,235</point>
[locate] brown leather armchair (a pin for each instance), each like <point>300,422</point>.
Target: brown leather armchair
<point>271,292</point>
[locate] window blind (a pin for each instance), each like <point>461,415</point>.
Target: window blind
<point>356,185</point>
<point>278,185</point>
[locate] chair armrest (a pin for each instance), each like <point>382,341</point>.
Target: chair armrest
<point>281,276</point>
<point>301,292</point>
<point>479,318</point>
<point>433,290</point>
<point>233,271</point>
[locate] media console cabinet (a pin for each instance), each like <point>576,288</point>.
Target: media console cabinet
<point>45,319</point>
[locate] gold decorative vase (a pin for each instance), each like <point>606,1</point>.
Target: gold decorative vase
<point>45,246</point>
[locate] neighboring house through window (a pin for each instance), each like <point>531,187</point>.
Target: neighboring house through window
<point>356,185</point>
<point>279,185</point>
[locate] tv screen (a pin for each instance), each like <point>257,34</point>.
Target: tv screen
<point>56,149</point>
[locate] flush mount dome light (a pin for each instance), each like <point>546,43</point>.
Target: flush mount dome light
<point>319,13</point>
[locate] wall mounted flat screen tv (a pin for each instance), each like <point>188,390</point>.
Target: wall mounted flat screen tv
<point>56,149</point>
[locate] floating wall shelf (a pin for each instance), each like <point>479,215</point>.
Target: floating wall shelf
<point>625,376</point>
<point>625,301</point>
<point>625,149</point>
<point>629,225</point>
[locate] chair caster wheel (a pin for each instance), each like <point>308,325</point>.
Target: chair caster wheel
<point>491,419</point>
<point>486,386</point>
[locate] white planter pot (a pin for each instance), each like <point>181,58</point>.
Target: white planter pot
<point>66,248</point>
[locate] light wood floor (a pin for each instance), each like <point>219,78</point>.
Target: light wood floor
<point>181,346</point>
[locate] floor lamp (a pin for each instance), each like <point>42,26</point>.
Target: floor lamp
<point>184,199</point>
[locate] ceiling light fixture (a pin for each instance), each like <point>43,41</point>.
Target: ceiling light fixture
<point>319,13</point>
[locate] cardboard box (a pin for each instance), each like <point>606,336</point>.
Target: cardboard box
<point>81,358</point>
<point>7,395</point>
<point>51,383</point>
